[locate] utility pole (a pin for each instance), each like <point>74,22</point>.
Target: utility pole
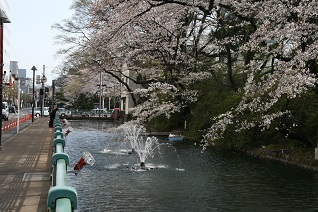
<point>53,94</point>
<point>33,92</point>
<point>43,80</point>
<point>100,91</point>
<point>19,104</point>
<point>103,92</point>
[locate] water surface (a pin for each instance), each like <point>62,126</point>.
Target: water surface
<point>185,178</point>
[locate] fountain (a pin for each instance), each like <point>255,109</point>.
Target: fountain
<point>141,145</point>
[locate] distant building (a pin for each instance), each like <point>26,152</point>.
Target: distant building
<point>25,83</point>
<point>13,71</point>
<point>4,6</point>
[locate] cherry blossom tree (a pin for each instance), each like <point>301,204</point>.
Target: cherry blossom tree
<point>283,66</point>
<point>119,37</point>
<point>266,51</point>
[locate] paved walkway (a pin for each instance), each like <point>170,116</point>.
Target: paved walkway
<point>25,167</point>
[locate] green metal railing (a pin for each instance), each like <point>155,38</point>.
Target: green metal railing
<point>61,197</point>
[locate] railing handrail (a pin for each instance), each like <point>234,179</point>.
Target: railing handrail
<point>61,197</point>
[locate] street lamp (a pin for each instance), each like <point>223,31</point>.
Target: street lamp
<point>42,91</point>
<point>19,100</point>
<point>3,19</point>
<point>33,102</point>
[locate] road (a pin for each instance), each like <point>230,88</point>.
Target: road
<point>23,112</point>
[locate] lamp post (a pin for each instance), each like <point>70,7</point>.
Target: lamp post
<point>43,80</point>
<point>3,19</point>
<point>33,102</point>
<point>19,102</point>
<point>18,79</point>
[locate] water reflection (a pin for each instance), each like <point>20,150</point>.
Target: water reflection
<point>185,180</point>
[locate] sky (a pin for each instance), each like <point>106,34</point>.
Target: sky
<point>32,37</point>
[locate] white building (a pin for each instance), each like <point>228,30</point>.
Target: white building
<point>126,100</point>
<point>4,6</point>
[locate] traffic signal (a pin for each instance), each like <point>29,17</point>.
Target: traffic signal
<point>46,89</point>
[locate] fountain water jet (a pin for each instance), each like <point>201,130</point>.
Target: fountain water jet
<point>140,144</point>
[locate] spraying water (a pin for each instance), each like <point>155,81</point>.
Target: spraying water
<point>142,145</point>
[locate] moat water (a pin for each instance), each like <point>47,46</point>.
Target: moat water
<point>182,178</point>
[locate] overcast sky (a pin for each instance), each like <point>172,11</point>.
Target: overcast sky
<point>32,39</point>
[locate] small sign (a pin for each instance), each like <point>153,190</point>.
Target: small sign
<point>38,79</point>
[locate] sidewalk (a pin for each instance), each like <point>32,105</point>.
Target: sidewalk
<point>25,167</point>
